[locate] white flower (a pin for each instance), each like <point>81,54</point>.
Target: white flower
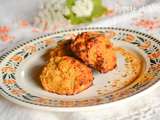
<point>83,8</point>
<point>66,11</point>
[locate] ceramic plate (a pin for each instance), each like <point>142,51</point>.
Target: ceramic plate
<point>138,68</point>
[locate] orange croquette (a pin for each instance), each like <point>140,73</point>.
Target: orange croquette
<point>66,76</point>
<point>95,50</point>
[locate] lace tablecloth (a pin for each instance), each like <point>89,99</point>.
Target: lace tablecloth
<point>146,19</point>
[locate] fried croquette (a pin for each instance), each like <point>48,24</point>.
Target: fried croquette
<point>95,50</point>
<point>62,49</point>
<point>66,76</point>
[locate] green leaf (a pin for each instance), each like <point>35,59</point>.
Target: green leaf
<point>98,11</point>
<point>70,3</point>
<point>78,20</point>
<point>97,2</point>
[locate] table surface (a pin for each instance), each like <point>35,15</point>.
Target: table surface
<point>145,18</point>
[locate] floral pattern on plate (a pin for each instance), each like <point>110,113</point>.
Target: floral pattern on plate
<point>11,61</point>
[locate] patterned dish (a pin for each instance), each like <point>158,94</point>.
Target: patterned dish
<point>20,69</point>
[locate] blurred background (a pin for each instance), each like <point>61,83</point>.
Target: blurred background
<point>22,20</point>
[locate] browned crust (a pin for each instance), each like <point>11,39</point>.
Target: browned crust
<point>62,49</point>
<point>66,76</point>
<point>95,50</point>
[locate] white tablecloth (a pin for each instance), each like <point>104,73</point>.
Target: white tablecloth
<point>145,107</point>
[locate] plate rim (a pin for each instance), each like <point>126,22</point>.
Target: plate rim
<point>69,109</point>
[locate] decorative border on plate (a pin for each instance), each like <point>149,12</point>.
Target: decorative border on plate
<point>46,102</point>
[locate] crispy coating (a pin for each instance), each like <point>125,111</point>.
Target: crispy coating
<point>62,49</point>
<point>95,50</point>
<point>66,76</point>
